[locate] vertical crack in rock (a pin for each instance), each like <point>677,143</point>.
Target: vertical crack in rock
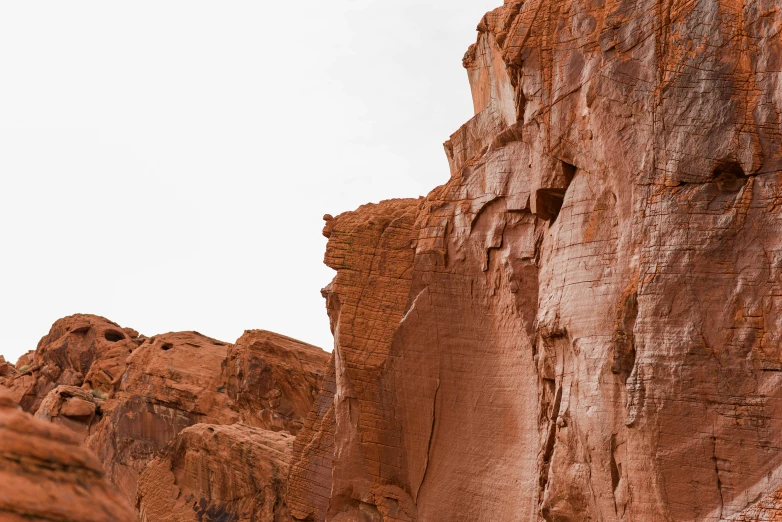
<point>431,440</point>
<point>548,450</point>
<point>616,473</point>
<point>624,340</point>
<point>717,473</point>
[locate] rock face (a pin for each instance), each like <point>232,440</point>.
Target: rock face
<point>46,476</point>
<point>583,323</point>
<point>7,371</point>
<point>216,473</point>
<point>272,380</point>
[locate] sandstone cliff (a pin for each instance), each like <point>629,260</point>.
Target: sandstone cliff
<point>583,323</point>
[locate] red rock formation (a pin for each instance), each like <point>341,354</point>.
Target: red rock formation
<point>309,481</point>
<point>582,323</point>
<point>172,381</point>
<point>46,476</point>
<point>216,473</point>
<point>272,380</point>
<point>128,397</point>
<point>176,380</point>
<point>7,371</point>
<point>80,350</point>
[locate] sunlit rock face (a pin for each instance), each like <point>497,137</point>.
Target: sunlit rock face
<point>584,322</point>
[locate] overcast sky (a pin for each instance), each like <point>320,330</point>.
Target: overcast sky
<point>167,164</point>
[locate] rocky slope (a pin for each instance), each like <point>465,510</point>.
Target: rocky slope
<point>228,410</point>
<point>583,323</point>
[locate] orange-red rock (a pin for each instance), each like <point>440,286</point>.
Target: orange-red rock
<point>212,472</point>
<point>272,380</point>
<point>176,380</point>
<point>77,409</point>
<point>7,371</point>
<point>583,323</point>
<point>309,481</point>
<point>80,350</point>
<point>127,398</point>
<point>45,475</point>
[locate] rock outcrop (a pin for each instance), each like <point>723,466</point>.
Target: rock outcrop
<point>45,475</point>
<point>583,323</point>
<point>212,472</point>
<point>272,380</point>
<point>128,398</point>
<point>80,350</point>
<point>177,380</point>
<point>7,371</point>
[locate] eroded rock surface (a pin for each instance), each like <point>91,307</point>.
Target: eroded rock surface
<point>127,397</point>
<point>77,409</point>
<point>176,380</point>
<point>272,380</point>
<point>583,323</point>
<point>216,473</point>
<point>80,350</point>
<point>7,371</point>
<point>45,475</point>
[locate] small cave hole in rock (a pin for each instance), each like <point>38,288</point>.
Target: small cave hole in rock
<point>113,336</point>
<point>729,177</point>
<point>548,201</point>
<point>569,172</point>
<point>166,346</point>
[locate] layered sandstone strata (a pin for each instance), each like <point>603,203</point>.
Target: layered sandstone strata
<point>583,323</point>
<point>46,476</point>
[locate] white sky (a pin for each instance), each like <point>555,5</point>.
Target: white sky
<point>167,164</point>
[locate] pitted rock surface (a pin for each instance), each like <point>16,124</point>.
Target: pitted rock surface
<point>176,380</point>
